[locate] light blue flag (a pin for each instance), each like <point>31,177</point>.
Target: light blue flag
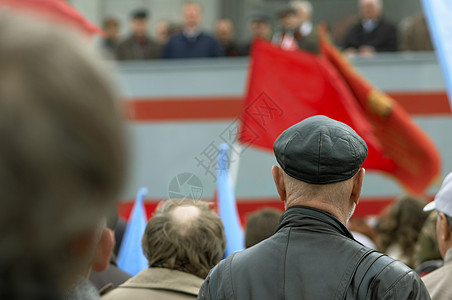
<point>130,257</point>
<point>227,206</point>
<point>438,14</point>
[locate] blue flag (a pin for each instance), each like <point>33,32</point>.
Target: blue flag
<point>130,257</point>
<point>438,15</point>
<point>227,206</point>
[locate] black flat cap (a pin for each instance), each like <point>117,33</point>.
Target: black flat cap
<point>320,150</point>
<point>140,14</point>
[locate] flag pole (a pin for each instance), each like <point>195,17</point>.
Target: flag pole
<point>227,206</point>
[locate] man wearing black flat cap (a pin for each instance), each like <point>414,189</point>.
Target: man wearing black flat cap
<point>312,255</point>
<point>138,45</point>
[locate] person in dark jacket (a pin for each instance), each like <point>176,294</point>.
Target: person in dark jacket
<point>138,45</point>
<point>372,33</point>
<point>313,255</point>
<point>192,42</point>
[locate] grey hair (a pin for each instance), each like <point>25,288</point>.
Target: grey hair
<point>379,3</point>
<point>333,193</point>
<point>197,243</point>
<point>306,6</point>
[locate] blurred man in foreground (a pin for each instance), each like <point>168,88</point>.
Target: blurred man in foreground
<point>438,281</point>
<point>62,159</point>
<point>182,242</point>
<point>313,255</point>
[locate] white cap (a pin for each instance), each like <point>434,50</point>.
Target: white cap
<point>443,199</point>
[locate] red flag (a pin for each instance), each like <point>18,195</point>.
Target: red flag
<point>417,162</point>
<point>286,87</point>
<point>56,10</point>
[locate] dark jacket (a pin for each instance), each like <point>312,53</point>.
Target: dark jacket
<point>181,46</point>
<point>131,49</point>
<point>110,278</point>
<point>311,256</point>
<point>383,37</point>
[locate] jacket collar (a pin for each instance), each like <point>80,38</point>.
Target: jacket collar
<point>165,279</point>
<point>294,216</point>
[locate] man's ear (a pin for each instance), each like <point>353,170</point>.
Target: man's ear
<point>444,227</point>
<point>278,178</point>
<point>357,186</point>
<point>103,250</point>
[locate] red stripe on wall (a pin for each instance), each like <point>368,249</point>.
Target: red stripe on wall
<point>173,109</point>
<point>366,206</point>
<point>423,103</point>
<point>221,108</point>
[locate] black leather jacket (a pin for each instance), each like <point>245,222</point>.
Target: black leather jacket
<point>311,256</point>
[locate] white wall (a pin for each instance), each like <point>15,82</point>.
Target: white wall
<point>97,10</point>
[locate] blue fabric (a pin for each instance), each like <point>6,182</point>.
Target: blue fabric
<point>438,15</point>
<point>204,45</point>
<point>130,257</point>
<point>227,206</point>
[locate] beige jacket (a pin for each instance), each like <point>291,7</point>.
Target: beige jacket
<point>157,283</point>
<point>438,282</point>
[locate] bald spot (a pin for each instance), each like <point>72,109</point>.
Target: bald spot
<point>185,215</point>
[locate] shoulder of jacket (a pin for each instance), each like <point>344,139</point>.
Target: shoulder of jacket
<point>396,278</point>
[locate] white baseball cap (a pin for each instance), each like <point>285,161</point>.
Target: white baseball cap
<point>443,199</point>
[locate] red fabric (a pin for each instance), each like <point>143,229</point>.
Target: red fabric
<point>56,10</point>
<point>286,87</point>
<point>415,160</point>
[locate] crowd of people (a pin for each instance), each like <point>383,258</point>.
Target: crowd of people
<point>64,162</point>
<point>370,33</point>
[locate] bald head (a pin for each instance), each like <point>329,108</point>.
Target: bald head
<point>370,9</point>
<point>184,217</point>
<point>303,9</point>
<point>192,15</point>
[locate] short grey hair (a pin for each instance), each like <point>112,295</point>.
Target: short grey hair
<point>379,3</point>
<point>329,193</point>
<point>195,245</point>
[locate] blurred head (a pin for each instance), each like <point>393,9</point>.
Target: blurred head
<point>184,234</point>
<point>370,9</point>
<point>139,23</point>
<point>303,9</point>
<point>63,157</point>
<point>288,18</point>
<point>161,32</point>
<point>261,225</point>
<point>260,29</point>
<point>224,31</point>
<point>111,28</point>
<point>427,243</point>
<point>401,224</point>
<point>192,15</point>
<point>443,205</point>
